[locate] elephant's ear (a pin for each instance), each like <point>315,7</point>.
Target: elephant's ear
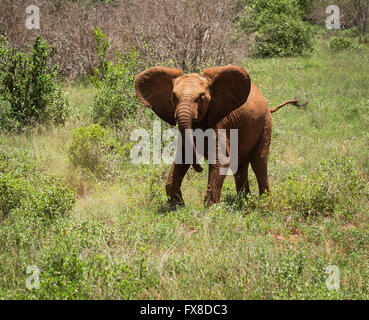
<point>230,88</point>
<point>154,89</point>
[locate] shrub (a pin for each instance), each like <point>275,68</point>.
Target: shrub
<point>102,48</point>
<point>26,190</point>
<point>311,196</point>
<point>28,91</point>
<point>330,190</point>
<point>54,199</point>
<point>49,198</point>
<point>92,149</point>
<point>279,28</point>
<point>114,79</point>
<point>12,191</point>
<point>341,43</point>
<point>306,7</point>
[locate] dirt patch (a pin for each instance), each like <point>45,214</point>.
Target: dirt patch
<point>293,238</point>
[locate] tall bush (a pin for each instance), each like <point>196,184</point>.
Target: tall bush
<point>114,79</point>
<point>280,30</point>
<point>28,88</point>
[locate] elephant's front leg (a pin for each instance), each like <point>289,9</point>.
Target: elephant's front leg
<point>218,166</point>
<point>218,161</point>
<point>215,184</point>
<point>174,182</point>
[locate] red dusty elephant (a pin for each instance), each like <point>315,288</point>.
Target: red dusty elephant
<point>220,98</point>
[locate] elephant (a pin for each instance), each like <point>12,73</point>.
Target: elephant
<point>219,98</point>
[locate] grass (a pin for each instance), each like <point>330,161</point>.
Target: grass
<point>120,242</point>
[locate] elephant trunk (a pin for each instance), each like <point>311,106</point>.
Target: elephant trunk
<point>185,116</point>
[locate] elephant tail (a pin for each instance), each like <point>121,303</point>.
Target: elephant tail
<point>295,102</point>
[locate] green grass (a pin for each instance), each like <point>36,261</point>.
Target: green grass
<point>121,242</point>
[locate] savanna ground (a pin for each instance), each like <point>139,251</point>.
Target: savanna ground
<point>121,242</point>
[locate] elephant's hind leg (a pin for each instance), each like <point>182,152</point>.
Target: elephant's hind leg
<point>242,179</point>
<point>174,182</point>
<point>260,167</point>
<point>259,159</point>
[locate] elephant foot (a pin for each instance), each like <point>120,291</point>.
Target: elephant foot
<point>175,200</point>
<point>174,194</point>
<point>174,205</point>
<point>211,198</point>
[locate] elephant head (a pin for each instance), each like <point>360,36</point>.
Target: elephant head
<point>193,98</point>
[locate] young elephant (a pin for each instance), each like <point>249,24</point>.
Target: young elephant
<point>220,98</point>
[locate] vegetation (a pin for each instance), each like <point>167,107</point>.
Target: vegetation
<point>116,99</point>
<point>339,43</point>
<point>29,94</point>
<point>20,196</point>
<point>98,226</point>
<point>120,241</point>
<point>93,150</point>
<point>280,30</point>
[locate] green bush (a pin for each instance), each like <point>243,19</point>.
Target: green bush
<point>340,43</point>
<point>28,91</point>
<point>12,192</point>
<point>50,198</point>
<point>92,149</point>
<point>114,79</point>
<point>307,7</point>
<point>102,50</point>
<point>328,191</point>
<point>25,188</point>
<point>280,30</point>
<point>53,199</point>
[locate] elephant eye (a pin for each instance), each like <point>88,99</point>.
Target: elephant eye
<point>174,98</point>
<point>201,98</point>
